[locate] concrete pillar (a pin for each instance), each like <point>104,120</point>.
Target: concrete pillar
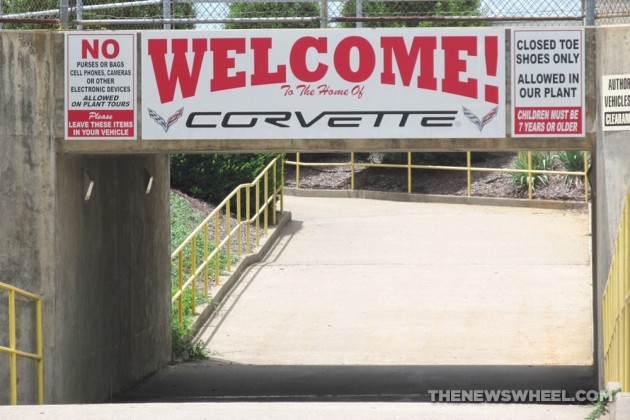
<point>612,163</point>
<point>102,265</point>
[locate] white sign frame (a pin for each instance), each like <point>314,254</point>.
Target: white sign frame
<point>349,106</point>
<point>100,101</point>
<point>616,102</point>
<point>548,89</point>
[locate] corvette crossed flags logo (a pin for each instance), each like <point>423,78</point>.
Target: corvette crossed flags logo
<point>171,120</point>
<point>485,120</point>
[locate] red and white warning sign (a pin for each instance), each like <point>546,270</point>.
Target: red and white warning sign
<point>100,97</point>
<point>548,82</point>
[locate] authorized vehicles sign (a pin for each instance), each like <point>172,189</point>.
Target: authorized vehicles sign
<point>386,83</point>
<point>548,82</point>
<point>100,99</point>
<point>616,102</point>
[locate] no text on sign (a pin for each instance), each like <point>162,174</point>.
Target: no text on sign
<point>100,97</point>
<point>548,82</point>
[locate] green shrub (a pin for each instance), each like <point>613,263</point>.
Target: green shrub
<point>183,346</point>
<point>572,161</point>
<point>212,177</point>
<point>541,161</point>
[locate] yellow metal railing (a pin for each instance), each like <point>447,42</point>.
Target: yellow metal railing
<point>616,307</point>
<point>469,169</point>
<point>12,350</point>
<point>200,269</point>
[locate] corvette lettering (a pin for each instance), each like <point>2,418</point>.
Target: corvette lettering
<point>332,119</point>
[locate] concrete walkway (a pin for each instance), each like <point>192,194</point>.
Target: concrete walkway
<point>376,300</point>
<point>366,282</point>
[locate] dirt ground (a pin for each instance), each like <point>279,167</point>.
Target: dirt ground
<point>424,181</point>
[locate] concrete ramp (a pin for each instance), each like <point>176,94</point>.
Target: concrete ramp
<point>377,300</point>
<point>357,282</point>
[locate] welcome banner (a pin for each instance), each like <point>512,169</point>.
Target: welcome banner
<point>279,84</point>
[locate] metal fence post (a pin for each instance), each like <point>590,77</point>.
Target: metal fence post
<point>79,12</point>
<point>323,13</point>
<point>64,15</point>
<point>166,12</point>
<point>359,12</point>
<point>589,13</point>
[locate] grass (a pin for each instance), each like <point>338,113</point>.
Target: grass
<point>600,408</point>
<point>184,219</point>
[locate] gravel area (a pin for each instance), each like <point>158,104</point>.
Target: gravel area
<point>440,182</point>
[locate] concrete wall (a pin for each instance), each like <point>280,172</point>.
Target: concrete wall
<point>113,277</point>
<point>101,265</point>
<point>612,163</point>
<point>27,190</point>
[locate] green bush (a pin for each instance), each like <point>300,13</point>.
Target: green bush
<point>212,177</point>
<point>572,161</point>
<point>182,345</point>
<point>541,161</point>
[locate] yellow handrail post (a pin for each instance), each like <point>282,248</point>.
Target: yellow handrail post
<point>180,283</point>
<point>530,180</point>
<point>258,212</point>
<point>217,273</point>
<point>248,246</point>
<point>228,226</point>
<point>205,258</point>
<point>468,173</point>
<point>409,172</point>
<point>352,170</point>
<point>297,171</point>
<point>12,349</point>
<point>40,352</point>
<point>266,211</point>
<point>193,263</point>
<point>586,176</point>
<point>12,346</point>
<point>239,241</point>
<point>282,185</point>
<point>274,192</point>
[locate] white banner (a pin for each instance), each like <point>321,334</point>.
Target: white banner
<point>548,82</point>
<point>279,84</point>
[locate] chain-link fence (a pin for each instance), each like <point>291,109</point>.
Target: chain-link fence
<point>230,14</point>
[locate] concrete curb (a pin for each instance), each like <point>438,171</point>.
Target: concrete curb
<point>619,406</point>
<point>444,199</point>
<point>218,293</point>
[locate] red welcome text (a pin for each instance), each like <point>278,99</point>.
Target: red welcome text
<point>178,62</point>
